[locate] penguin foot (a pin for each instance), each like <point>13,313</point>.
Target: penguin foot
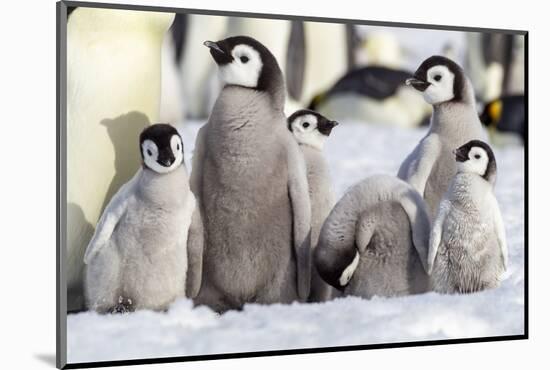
<point>124,306</point>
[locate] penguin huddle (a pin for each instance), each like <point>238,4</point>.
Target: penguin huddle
<point>257,221</point>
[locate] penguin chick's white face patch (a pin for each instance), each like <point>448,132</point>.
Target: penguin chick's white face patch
<point>244,69</point>
<point>441,88</point>
<point>151,155</point>
<point>477,162</point>
<point>348,272</point>
<point>305,130</point>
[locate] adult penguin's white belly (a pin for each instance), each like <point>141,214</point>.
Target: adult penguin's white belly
<point>113,92</point>
<point>325,58</point>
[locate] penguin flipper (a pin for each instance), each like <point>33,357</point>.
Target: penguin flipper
<point>415,208</point>
<point>195,247</point>
<point>501,235</point>
<point>301,210</point>
<point>109,219</point>
<point>420,168</point>
<point>195,182</point>
<point>436,233</point>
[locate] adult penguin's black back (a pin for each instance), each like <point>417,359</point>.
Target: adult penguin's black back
<point>506,114</point>
<point>375,82</point>
<point>179,32</point>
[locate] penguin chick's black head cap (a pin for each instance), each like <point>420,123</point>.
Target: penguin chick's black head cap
<point>324,125</point>
<point>160,134</point>
<point>462,155</point>
<point>271,77</point>
<point>421,73</point>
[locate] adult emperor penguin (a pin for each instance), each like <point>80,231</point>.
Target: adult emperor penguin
<point>468,249</point>
<point>375,240</point>
<point>430,166</point>
<point>311,130</point>
<point>148,242</point>
<point>251,180</point>
<point>113,93</point>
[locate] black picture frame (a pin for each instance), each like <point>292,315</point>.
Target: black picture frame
<point>62,8</point>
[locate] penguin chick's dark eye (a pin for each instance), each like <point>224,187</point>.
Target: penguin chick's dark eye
<point>437,77</point>
<point>305,124</point>
<point>178,147</point>
<point>149,152</point>
<point>477,156</point>
<point>244,59</point>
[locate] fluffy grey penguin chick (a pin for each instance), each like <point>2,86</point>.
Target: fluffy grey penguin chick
<point>149,240</point>
<point>468,249</point>
<point>311,130</point>
<point>251,181</point>
<point>431,166</point>
<point>375,240</point>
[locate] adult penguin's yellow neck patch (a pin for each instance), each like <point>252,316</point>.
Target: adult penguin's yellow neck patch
<point>318,99</point>
<point>495,111</point>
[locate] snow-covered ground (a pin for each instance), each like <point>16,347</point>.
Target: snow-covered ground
<point>355,151</point>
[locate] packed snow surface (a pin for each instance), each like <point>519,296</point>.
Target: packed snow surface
<point>354,151</point>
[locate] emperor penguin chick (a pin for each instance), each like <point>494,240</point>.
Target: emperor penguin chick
<point>148,243</point>
<point>468,249</point>
<point>251,181</point>
<point>311,130</point>
<point>375,240</point>
<point>431,166</point>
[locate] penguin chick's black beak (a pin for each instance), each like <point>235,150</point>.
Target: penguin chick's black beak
<point>326,127</point>
<point>218,53</point>
<point>417,83</point>
<point>461,154</point>
<point>166,161</point>
<point>214,46</point>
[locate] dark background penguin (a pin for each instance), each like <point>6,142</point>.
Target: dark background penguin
<point>505,116</point>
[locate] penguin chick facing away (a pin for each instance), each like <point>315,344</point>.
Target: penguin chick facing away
<point>468,249</point>
<point>431,166</point>
<point>375,240</point>
<point>310,129</point>
<point>251,181</point>
<point>148,243</point>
